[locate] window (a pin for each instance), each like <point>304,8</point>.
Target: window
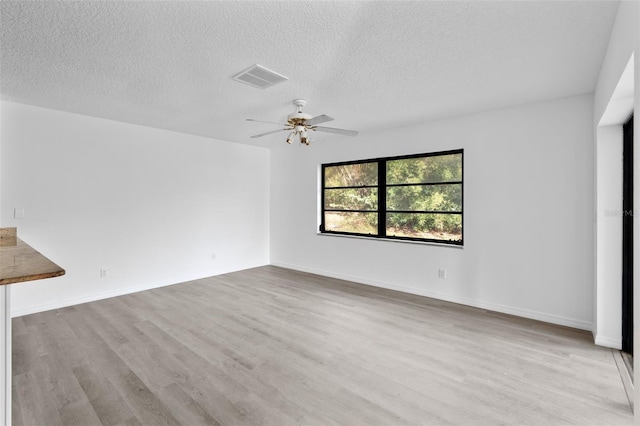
<point>414,197</point>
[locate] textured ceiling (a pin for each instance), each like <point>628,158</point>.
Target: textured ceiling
<point>370,65</point>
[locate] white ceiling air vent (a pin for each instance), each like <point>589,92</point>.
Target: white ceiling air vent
<point>260,77</point>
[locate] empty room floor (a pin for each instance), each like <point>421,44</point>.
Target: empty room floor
<point>271,346</point>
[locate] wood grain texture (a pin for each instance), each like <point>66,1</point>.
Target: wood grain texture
<point>270,346</point>
<point>21,262</point>
<point>8,236</point>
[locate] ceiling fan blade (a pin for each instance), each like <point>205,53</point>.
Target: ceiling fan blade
<point>268,133</point>
<point>318,119</point>
<point>334,130</point>
<point>268,122</point>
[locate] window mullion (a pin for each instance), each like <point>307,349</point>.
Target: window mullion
<point>382,198</point>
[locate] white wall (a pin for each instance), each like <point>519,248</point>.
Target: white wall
<point>608,327</point>
<point>528,202</point>
<point>149,205</point>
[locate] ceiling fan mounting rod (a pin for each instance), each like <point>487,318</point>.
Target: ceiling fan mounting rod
<point>299,103</point>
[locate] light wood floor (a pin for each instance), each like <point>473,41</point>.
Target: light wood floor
<point>270,346</point>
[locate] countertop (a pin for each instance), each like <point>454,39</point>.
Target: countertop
<point>21,262</point>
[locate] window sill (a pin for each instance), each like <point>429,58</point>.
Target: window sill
<point>393,240</point>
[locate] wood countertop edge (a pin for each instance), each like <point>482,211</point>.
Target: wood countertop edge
<point>45,268</point>
<point>14,280</point>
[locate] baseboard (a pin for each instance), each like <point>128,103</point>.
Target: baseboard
<point>63,303</point>
<point>609,342</point>
<point>525,313</point>
<point>84,299</point>
<point>510,310</point>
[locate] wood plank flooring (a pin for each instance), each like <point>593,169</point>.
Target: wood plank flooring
<point>270,346</point>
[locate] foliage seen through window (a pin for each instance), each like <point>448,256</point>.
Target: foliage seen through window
<point>416,197</point>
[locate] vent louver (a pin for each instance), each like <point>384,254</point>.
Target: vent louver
<point>260,77</point>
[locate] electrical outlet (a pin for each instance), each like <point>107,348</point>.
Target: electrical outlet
<point>104,273</point>
<point>213,257</point>
<point>442,273</point>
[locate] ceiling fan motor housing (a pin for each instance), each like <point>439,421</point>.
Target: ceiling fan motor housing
<point>298,118</point>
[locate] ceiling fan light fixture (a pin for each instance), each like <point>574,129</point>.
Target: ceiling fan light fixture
<point>304,138</point>
<point>290,137</point>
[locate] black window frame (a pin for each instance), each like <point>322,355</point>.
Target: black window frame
<point>382,198</point>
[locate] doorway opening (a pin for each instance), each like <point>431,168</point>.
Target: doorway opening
<point>627,238</point>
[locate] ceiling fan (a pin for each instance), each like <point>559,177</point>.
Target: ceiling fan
<point>300,124</point>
